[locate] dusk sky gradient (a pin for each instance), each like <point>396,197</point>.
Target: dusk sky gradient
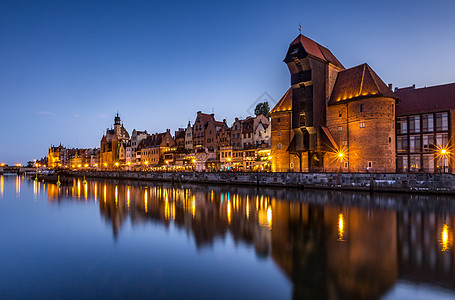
<point>66,67</point>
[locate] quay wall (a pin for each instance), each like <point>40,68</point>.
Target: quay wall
<point>380,182</point>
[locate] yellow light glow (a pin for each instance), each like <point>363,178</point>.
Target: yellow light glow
<point>105,194</point>
<point>340,154</point>
<point>269,217</point>
<point>446,238</point>
<point>86,165</point>
<point>193,206</point>
<point>105,164</point>
<point>96,165</point>
<point>128,197</point>
<point>128,163</point>
<point>229,212</point>
<point>116,196</point>
<point>2,184</point>
<point>116,164</point>
<point>96,191</point>
<point>194,161</point>
<point>146,162</point>
<point>340,227</point>
<point>145,200</point>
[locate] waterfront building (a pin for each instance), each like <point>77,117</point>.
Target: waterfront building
<point>136,137</point>
<point>189,137</point>
<point>425,123</point>
<point>261,133</point>
<point>332,118</point>
<point>236,131</point>
<point>223,136</point>
<point>111,143</point>
<point>151,150</point>
<point>179,138</point>
<point>57,156</point>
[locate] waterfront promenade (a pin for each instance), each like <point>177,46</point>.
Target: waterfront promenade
<point>378,182</point>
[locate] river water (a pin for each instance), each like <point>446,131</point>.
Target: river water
<point>130,239</point>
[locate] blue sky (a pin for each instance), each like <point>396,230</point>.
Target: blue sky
<point>66,67</point>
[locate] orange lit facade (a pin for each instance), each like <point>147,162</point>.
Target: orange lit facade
<point>332,118</point>
<point>111,144</point>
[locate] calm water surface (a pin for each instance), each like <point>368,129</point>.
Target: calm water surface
<point>121,239</point>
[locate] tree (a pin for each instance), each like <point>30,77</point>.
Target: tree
<point>262,108</point>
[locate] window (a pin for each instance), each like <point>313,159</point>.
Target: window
<point>402,126</point>
<point>428,163</point>
<point>279,146</point>
<point>441,121</point>
<point>278,133</point>
<point>428,142</point>
<point>414,124</point>
<point>390,139</point>
<point>340,128</point>
<point>370,164</point>
<point>362,124</point>
<point>414,143</point>
<point>279,119</point>
<point>414,163</point>
<point>340,114</point>
<point>402,143</point>
<point>442,139</point>
<point>427,123</point>
<point>361,108</point>
<point>402,163</point>
<point>345,164</point>
<point>345,143</point>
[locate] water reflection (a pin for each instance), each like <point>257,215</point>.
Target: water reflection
<point>330,245</point>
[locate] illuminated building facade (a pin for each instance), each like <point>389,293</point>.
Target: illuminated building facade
<point>332,118</point>
<point>425,128</point>
<point>111,143</point>
<point>152,149</point>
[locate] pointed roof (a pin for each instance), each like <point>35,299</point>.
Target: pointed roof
<point>359,82</point>
<point>285,103</point>
<point>316,50</point>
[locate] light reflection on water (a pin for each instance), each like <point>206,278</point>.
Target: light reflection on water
<point>328,245</point>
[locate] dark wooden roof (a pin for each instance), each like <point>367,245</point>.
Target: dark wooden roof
<point>316,50</point>
<point>357,83</point>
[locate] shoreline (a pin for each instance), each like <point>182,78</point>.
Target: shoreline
<point>419,183</point>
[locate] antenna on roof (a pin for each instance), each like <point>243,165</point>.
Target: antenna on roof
<point>300,28</point>
<point>213,110</point>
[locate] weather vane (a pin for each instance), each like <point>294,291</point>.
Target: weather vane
<point>300,28</point>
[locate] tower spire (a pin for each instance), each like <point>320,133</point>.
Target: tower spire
<point>300,28</point>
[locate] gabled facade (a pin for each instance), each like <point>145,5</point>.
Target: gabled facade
<point>152,149</point>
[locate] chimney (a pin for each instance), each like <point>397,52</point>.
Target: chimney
<point>396,89</point>
<point>212,114</point>
<point>390,87</point>
<point>414,86</point>
<point>199,112</point>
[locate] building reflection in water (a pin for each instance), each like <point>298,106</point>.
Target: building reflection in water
<point>2,185</point>
<point>331,245</point>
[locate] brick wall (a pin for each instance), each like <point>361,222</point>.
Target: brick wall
<point>375,142</point>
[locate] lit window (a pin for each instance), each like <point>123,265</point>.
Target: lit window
<point>362,124</point>
<point>340,128</point>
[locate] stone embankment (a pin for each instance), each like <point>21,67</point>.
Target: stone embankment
<point>379,182</point>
